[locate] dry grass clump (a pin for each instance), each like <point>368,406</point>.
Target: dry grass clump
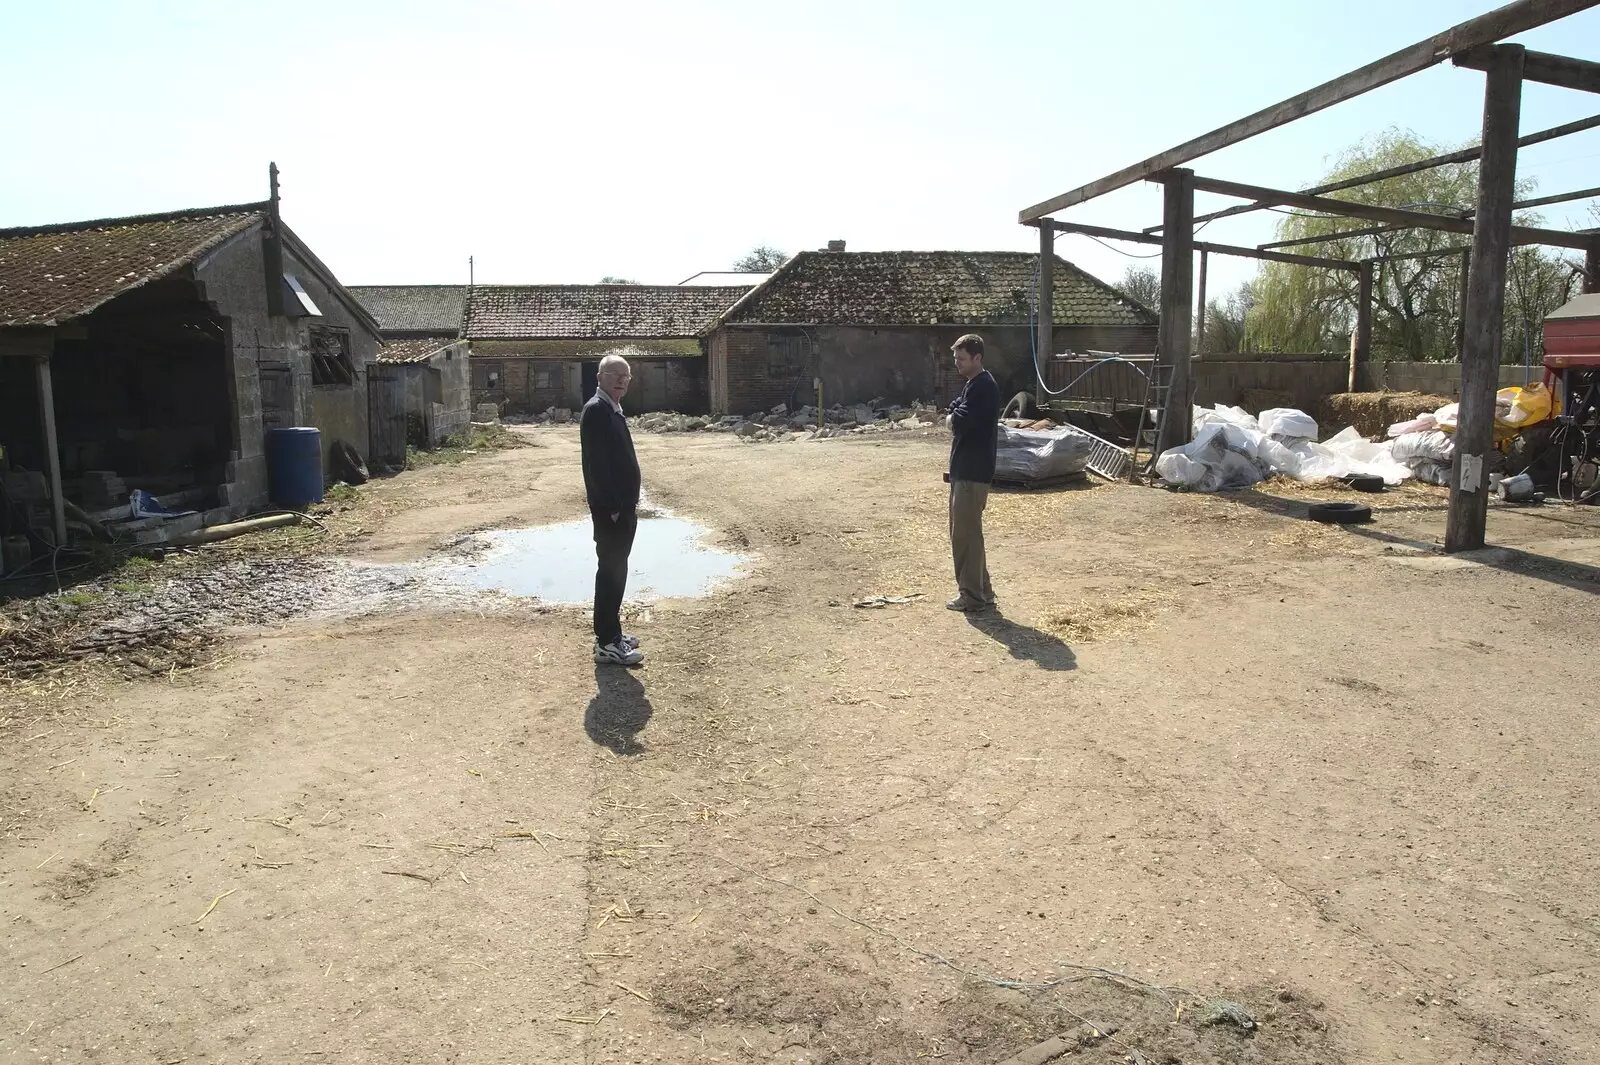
<point>1103,618</point>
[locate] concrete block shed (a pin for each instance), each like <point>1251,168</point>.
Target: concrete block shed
<point>423,369</point>
<point>435,393</point>
<point>154,352</point>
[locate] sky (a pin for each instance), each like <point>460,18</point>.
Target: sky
<point>566,142</point>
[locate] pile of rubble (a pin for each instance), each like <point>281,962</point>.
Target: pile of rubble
<point>774,426</point>
<point>781,424</point>
<point>169,622</point>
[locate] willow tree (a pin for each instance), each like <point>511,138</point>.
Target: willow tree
<point>1416,301</point>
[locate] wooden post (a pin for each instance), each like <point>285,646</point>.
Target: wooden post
<point>1361,340</point>
<point>1200,325</point>
<point>1044,343</point>
<point>1461,311</point>
<point>1177,303</point>
<point>47,408</point>
<point>1591,268</point>
<point>1480,353</point>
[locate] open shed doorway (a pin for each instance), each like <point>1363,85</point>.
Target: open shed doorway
<point>143,400</point>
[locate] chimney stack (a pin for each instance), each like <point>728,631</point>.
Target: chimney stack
<point>835,245</point>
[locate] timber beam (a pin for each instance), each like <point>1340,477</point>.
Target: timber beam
<point>1559,70</point>
<point>1465,155</point>
<point>1555,238</point>
<point>1508,21</point>
<point>1200,245</point>
<point>1538,201</point>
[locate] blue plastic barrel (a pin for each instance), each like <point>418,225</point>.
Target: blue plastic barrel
<point>294,466</point>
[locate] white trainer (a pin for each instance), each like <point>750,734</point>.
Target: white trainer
<point>618,654</point>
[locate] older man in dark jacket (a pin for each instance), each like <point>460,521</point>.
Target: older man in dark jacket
<point>974,435</point>
<point>611,481</point>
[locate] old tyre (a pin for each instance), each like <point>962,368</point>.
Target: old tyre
<point>347,464</point>
<point>1365,482</point>
<point>1340,513</point>
<point>1022,405</point>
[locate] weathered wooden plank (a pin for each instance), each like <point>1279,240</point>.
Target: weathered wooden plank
<point>1559,197</point>
<point>1480,354</point>
<point>1494,26</point>
<point>47,408</point>
<point>1361,342</point>
<point>1556,238</point>
<point>1537,201</point>
<point>1328,238</point>
<point>1173,339</point>
<point>1559,70</point>
<point>1432,253</point>
<point>1465,155</point>
<point>1200,305</point>
<point>1205,245</point>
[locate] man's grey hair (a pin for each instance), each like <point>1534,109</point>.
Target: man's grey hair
<point>612,363</point>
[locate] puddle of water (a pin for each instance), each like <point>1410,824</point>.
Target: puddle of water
<point>555,563</point>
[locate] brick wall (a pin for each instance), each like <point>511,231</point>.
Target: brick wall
<point>534,385</point>
<point>752,368</point>
<point>524,386</point>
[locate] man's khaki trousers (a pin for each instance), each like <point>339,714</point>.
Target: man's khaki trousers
<point>967,500</point>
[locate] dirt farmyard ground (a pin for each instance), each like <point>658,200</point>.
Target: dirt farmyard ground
<point>1326,780</point>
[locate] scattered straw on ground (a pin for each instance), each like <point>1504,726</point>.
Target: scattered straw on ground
<point>1103,618</point>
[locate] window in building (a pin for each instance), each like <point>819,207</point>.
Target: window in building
<point>543,379</point>
<point>494,381</point>
<point>297,301</point>
<point>787,354</point>
<point>330,356</point>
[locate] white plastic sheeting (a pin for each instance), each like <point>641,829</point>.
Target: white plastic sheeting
<point>1231,449</point>
<point>1287,424</point>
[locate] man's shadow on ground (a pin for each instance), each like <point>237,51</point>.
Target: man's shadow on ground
<point>1025,642</point>
<point>619,711</point>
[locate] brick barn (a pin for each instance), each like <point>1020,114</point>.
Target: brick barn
<point>538,346</point>
<point>880,324</point>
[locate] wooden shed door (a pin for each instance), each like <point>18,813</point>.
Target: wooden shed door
<point>386,416</point>
<point>277,396</point>
<point>653,378</point>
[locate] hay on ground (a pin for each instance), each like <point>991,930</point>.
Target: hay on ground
<point>1098,619</point>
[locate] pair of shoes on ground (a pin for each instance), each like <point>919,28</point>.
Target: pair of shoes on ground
<point>624,652</point>
<point>968,605</point>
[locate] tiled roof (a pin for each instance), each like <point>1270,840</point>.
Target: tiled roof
<point>727,277</point>
<point>420,349</point>
<point>622,312</point>
<point>929,288</point>
<point>414,308</point>
<point>51,274</point>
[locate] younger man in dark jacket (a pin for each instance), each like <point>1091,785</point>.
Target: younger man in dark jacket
<point>974,435</point>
